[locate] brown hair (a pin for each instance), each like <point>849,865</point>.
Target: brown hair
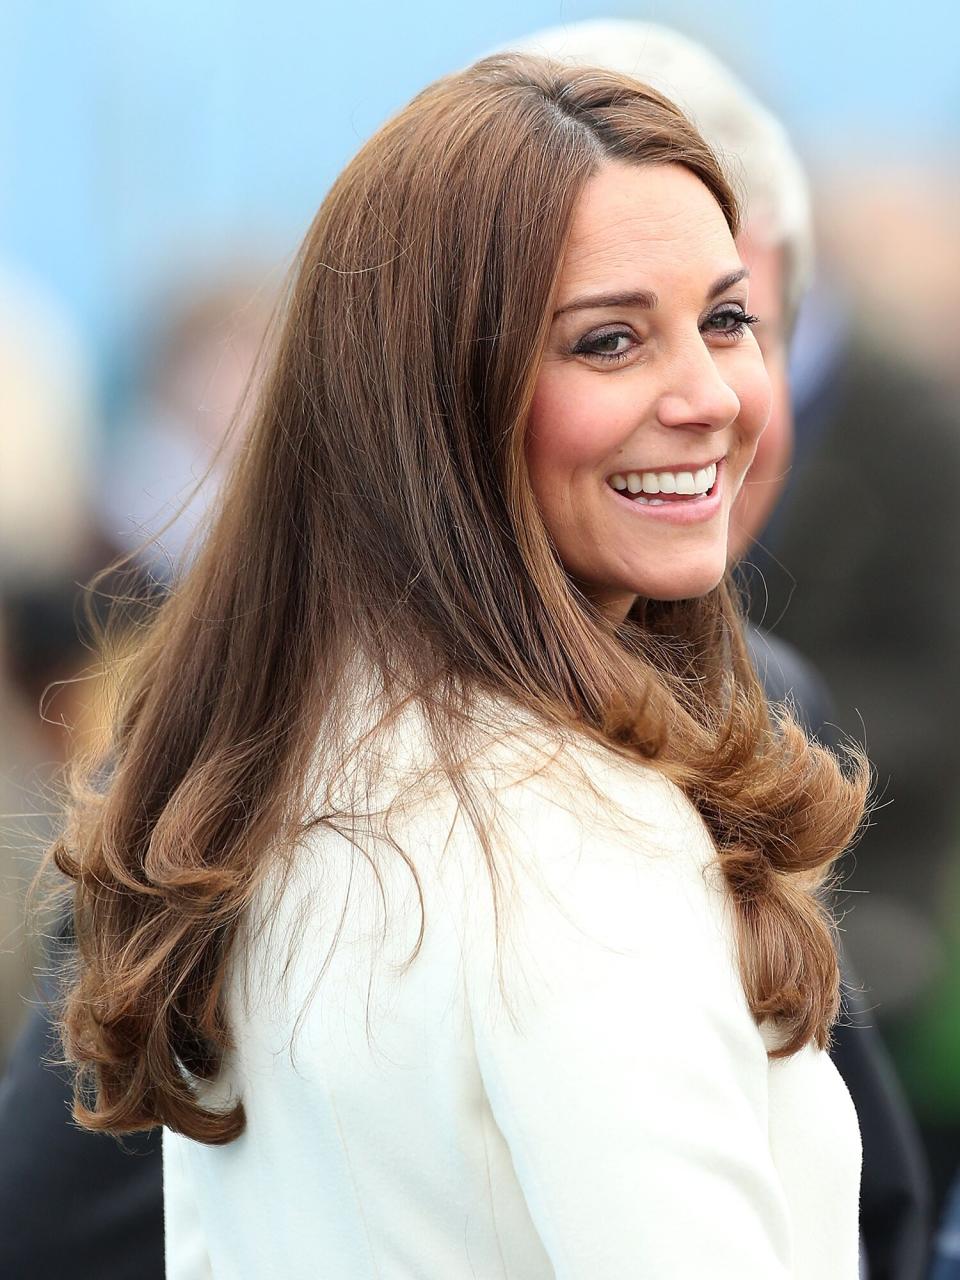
<point>380,504</point>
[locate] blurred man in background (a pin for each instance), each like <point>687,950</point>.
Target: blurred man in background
<point>861,573</point>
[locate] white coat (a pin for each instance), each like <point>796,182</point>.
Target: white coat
<point>596,1103</point>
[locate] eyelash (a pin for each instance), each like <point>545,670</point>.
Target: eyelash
<point>736,332</point>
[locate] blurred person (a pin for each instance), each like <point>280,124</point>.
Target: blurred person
<point>914,205</point>
<point>172,447</point>
<point>109,1222</point>
<point>47,436</point>
<point>427,592</point>
<point>863,595</point>
<point>47,449</point>
<point>895,1204</point>
<point>858,568</point>
<point>109,1196</point>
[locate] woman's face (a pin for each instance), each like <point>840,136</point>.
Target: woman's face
<point>652,393</point>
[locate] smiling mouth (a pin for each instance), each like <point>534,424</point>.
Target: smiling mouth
<point>658,488</point>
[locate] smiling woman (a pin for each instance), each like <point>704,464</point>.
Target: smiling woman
<point>448,893</point>
<point>650,385</point>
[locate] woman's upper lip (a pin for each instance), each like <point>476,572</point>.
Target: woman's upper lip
<point>669,466</point>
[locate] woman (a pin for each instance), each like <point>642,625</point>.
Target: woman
<point>453,902</point>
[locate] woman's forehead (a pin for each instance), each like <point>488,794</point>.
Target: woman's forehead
<point>636,218</point>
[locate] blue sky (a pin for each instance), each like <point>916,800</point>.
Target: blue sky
<point>138,136</point>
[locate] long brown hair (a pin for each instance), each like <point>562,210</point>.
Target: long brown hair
<point>380,505</point>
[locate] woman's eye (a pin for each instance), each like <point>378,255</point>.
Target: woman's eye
<point>612,345</point>
<point>731,322</point>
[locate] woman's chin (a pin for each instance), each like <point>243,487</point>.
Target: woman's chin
<point>689,584</point>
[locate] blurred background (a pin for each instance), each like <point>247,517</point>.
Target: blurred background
<point>160,164</point>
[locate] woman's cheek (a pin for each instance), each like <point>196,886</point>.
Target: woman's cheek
<point>756,400</point>
<point>548,432</point>
<point>562,424</point>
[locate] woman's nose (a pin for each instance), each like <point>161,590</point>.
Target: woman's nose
<point>697,394</point>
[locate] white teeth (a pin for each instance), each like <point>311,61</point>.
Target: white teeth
<point>688,483</point>
<point>650,502</point>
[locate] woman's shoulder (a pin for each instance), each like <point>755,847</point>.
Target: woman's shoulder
<point>545,777</point>
<point>565,778</point>
<point>608,880</point>
<point>494,735</point>
<point>614,838</point>
<point>547,813</point>
<point>562,858</point>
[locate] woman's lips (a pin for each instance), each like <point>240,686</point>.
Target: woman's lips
<point>675,508</point>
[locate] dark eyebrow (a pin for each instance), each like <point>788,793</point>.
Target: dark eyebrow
<point>727,282</point>
<point>644,299</point>
<point>641,298</point>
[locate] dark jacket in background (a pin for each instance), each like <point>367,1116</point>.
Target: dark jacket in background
<point>74,1205</point>
<point>895,1195</point>
<point>861,576</point>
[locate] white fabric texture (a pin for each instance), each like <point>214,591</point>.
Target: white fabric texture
<point>593,1102</point>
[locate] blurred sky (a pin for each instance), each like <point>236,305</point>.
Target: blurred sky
<point>141,138</point>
